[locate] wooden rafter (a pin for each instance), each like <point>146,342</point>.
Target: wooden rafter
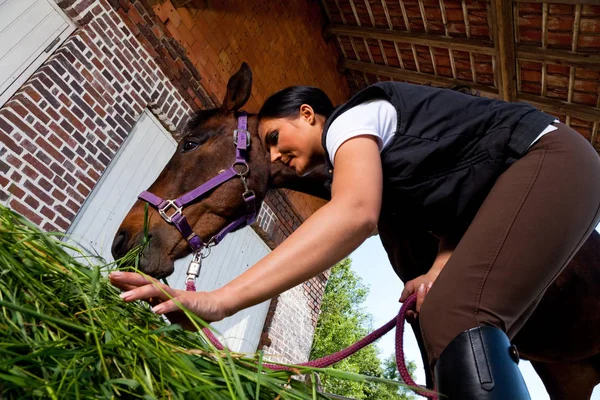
<point>412,76</point>
<point>562,107</point>
<point>591,2</point>
<point>468,33</point>
<point>505,48</point>
<point>407,25</point>
<point>481,46</point>
<point>426,28</point>
<point>544,46</point>
<point>516,38</point>
<point>596,125</point>
<point>555,106</point>
<point>450,52</point>
<point>560,57</point>
<point>574,41</point>
<point>523,52</point>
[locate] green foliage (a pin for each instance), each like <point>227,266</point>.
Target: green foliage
<point>342,322</point>
<point>66,334</point>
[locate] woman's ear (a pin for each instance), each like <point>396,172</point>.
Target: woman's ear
<point>307,113</point>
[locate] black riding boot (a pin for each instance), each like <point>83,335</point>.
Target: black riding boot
<point>480,364</point>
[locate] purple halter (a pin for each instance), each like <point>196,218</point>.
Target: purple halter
<point>241,138</point>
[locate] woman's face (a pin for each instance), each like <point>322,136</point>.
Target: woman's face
<point>295,142</point>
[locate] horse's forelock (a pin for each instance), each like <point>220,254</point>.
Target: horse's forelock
<point>200,117</point>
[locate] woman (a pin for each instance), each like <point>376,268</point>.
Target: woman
<point>510,193</point>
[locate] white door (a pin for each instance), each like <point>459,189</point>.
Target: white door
<point>30,30</point>
<point>234,255</point>
<point>137,164</point>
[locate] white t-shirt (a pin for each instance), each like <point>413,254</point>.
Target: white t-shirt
<point>376,118</point>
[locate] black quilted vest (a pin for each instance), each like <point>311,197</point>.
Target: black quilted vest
<point>448,150</point>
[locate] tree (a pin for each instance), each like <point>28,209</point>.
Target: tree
<point>343,321</point>
<point>390,371</point>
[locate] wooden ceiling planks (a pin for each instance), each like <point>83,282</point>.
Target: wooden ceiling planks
<point>543,52</point>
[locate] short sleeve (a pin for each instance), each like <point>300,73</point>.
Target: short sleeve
<point>376,118</point>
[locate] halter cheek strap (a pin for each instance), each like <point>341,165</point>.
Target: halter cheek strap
<point>171,210</point>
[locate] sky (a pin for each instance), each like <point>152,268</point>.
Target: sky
<point>370,262</point>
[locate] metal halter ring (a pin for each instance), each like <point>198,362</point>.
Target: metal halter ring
<point>163,211</point>
<point>243,163</point>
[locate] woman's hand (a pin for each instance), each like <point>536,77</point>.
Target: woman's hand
<point>421,286</point>
<point>206,305</point>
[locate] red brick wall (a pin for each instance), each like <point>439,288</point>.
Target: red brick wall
<point>65,124</point>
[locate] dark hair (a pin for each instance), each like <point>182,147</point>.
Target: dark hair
<point>464,89</point>
<point>286,103</point>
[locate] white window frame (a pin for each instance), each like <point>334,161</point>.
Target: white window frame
<point>37,58</point>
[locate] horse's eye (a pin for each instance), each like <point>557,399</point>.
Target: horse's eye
<point>189,145</point>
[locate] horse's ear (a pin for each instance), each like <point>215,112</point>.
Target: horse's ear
<point>239,88</point>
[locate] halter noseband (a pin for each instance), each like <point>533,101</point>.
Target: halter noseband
<point>241,139</point>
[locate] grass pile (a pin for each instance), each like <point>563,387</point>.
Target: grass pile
<point>66,334</point>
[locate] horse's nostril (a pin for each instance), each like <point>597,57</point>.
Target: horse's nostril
<point>119,246</point>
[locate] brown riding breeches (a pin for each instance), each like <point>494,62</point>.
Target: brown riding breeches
<point>535,218</point>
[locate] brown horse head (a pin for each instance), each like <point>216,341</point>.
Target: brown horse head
<point>206,149</point>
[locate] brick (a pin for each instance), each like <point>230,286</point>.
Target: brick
<point>22,126</point>
<point>58,181</point>
<point>10,143</point>
<point>64,212</point>
<point>33,203</point>
<point>39,193</point>
<point>45,93</point>
<point>50,227</point>
<point>38,165</point>
<point>16,190</point>
<point>62,223</point>
<point>31,173</point>
<point>47,186</point>
<point>83,190</point>
<point>57,169</point>
<point>25,211</point>
<point>73,206</point>
<point>75,195</point>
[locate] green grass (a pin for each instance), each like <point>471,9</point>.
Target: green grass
<point>66,334</point>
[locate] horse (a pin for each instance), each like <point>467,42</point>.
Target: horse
<point>560,338</point>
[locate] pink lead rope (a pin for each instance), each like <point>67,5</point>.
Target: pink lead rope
<point>331,359</point>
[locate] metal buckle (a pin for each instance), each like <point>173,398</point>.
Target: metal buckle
<point>193,270</point>
<point>248,194</point>
<point>235,137</point>
<point>163,211</point>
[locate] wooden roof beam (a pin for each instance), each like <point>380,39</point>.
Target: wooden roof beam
<point>524,52</point>
<point>504,33</point>
<point>462,44</point>
<point>592,2</point>
<point>560,57</point>
<point>413,76</point>
<point>587,113</point>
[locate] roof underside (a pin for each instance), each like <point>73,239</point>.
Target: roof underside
<point>547,54</point>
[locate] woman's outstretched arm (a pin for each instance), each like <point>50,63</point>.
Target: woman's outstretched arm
<point>330,234</point>
<point>326,237</point>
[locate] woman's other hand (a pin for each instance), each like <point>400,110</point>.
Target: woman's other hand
<point>207,305</point>
<point>420,285</point>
